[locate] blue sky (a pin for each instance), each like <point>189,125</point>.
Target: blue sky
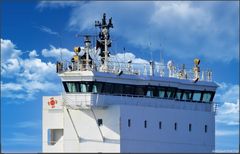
<point>33,33</point>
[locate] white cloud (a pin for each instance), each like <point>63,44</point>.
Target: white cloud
<point>29,124</point>
<point>48,30</point>
<point>227,92</point>
<point>22,139</point>
<point>184,28</point>
<point>11,66</point>
<point>57,53</point>
<point>227,133</point>
<point>27,90</point>
<point>33,54</point>
<point>28,76</point>
<point>56,4</point>
<point>232,94</point>
<point>228,111</point>
<point>180,11</point>
<point>35,69</point>
<point>125,57</point>
<point>11,87</point>
<point>8,50</point>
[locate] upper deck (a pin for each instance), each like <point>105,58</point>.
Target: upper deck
<point>91,88</point>
<point>94,70</point>
<point>140,79</point>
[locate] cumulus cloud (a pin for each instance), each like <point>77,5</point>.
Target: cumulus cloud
<point>185,28</point>
<point>8,50</point>
<point>227,92</point>
<point>11,66</point>
<point>57,53</point>
<point>33,54</point>
<point>27,90</point>
<point>11,87</point>
<point>127,56</point>
<point>28,76</point>
<point>228,111</point>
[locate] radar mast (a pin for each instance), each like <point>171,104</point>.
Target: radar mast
<point>104,41</point>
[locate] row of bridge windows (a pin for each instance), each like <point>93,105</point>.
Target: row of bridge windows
<point>138,90</point>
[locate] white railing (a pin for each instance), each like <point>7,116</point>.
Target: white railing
<point>87,101</point>
<point>143,69</point>
<point>215,106</point>
<point>77,100</point>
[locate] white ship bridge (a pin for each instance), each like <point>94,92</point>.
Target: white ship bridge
<point>110,105</point>
<point>89,84</point>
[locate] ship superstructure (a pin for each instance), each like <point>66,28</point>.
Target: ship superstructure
<point>112,106</point>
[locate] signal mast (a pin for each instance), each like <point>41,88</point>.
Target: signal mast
<point>104,41</point>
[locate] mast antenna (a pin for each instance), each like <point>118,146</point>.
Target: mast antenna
<point>104,41</point>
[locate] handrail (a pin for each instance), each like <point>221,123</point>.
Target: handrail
<point>143,69</point>
<point>135,101</point>
<point>133,96</point>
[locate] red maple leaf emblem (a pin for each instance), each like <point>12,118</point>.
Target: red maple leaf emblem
<point>52,102</point>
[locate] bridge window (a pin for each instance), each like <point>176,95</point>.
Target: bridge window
<point>161,92</point>
<point>178,94</point>
<point>150,92</point>
<point>187,95</point>
<point>99,86</point>
<point>206,96</point>
<point>170,93</point>
<point>118,89</point>
<point>107,88</point>
<point>139,90</point>
<point>197,96</point>
<point>65,87</point>
<point>71,87</point>
<point>128,89</point>
<point>83,87</point>
<point>94,88</point>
